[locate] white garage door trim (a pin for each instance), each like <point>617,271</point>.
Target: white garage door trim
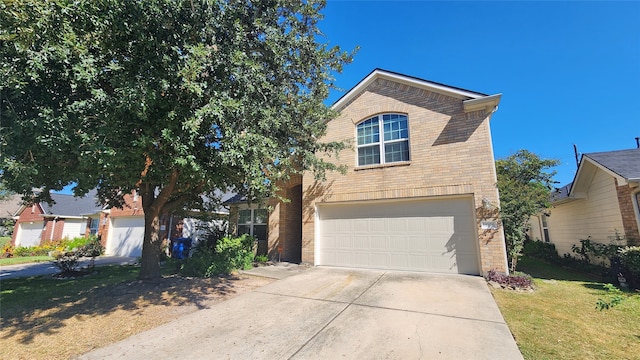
<point>126,236</point>
<point>434,235</point>
<point>29,234</point>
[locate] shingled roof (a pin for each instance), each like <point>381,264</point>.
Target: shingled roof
<point>625,163</point>
<point>68,205</point>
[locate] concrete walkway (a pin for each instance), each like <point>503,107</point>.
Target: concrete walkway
<point>329,313</point>
<point>47,268</point>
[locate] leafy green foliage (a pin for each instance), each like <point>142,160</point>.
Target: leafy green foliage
<point>615,297</point>
<point>590,251</point>
<point>230,253</point>
<point>630,258</point>
<point>541,250</point>
<point>262,259</point>
<point>525,187</point>
<point>170,98</point>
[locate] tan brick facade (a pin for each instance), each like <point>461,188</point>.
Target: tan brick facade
<point>450,154</point>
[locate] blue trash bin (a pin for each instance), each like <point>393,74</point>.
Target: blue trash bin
<point>180,248</point>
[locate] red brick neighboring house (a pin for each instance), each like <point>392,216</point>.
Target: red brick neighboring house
<point>67,217</point>
<point>420,190</point>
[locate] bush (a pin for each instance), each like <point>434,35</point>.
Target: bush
<point>91,248</point>
<point>230,253</point>
<point>514,281</point>
<point>67,262</point>
<point>630,258</point>
<point>542,250</point>
<point>77,243</point>
<point>590,251</point>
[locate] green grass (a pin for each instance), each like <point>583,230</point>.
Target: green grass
<point>560,320</point>
<point>24,260</point>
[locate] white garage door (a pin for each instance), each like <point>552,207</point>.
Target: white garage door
<point>426,235</point>
<point>73,228</point>
<point>126,236</point>
<point>29,234</point>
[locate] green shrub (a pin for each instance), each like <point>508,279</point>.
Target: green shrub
<point>77,243</point>
<point>590,251</point>
<point>630,258</point>
<point>230,253</point>
<point>91,248</point>
<point>541,250</point>
<point>262,258</point>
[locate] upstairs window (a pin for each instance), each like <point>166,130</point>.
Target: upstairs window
<point>392,146</point>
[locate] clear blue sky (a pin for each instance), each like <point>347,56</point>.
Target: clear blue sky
<point>569,72</point>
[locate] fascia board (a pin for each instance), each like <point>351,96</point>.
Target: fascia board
<point>437,88</point>
<point>487,103</point>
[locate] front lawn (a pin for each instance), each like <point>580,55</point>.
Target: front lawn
<point>47,318</point>
<point>24,260</point>
<point>560,320</point>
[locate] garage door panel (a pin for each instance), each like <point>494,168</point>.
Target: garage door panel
<point>29,234</point>
<point>433,235</point>
<point>126,236</point>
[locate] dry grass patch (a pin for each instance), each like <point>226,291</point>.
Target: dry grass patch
<point>560,320</point>
<point>45,318</point>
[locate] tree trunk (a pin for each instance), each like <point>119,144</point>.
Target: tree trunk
<point>150,266</point>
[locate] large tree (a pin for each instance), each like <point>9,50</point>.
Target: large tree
<point>525,184</point>
<point>169,98</point>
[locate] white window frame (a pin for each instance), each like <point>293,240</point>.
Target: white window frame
<point>544,225</point>
<point>382,142</point>
<point>91,228</point>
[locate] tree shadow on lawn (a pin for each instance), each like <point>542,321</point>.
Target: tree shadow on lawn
<point>542,270</point>
<point>46,303</point>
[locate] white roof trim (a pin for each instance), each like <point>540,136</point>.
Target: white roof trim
<point>487,103</point>
<point>423,84</point>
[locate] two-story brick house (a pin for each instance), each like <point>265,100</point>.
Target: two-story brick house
<point>420,191</point>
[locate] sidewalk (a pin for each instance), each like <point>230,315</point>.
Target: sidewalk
<point>47,268</point>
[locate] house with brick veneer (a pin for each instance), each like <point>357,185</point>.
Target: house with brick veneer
<point>420,190</point>
<point>601,203</point>
<point>67,217</point>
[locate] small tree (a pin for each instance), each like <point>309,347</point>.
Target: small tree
<point>525,189</point>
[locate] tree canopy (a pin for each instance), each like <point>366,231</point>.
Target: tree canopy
<point>169,98</point>
<point>525,188</point>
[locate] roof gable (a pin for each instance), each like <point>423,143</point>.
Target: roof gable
<point>623,165</point>
<point>472,100</point>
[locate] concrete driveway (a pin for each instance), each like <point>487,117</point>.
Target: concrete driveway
<point>329,313</point>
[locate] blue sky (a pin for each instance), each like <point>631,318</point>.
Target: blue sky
<point>569,72</point>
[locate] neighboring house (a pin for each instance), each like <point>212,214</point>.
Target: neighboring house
<point>419,193</point>
<point>602,201</point>
<point>67,217</point>
<point>9,207</point>
<point>122,230</point>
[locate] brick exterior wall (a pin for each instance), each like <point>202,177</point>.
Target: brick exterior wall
<point>31,213</point>
<point>451,155</point>
<point>628,212</point>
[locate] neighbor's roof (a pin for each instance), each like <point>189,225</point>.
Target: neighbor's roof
<point>625,163</point>
<point>472,100</point>
<point>69,205</point>
<point>10,206</point>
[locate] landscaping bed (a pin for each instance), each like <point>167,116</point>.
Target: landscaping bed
<point>48,318</point>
